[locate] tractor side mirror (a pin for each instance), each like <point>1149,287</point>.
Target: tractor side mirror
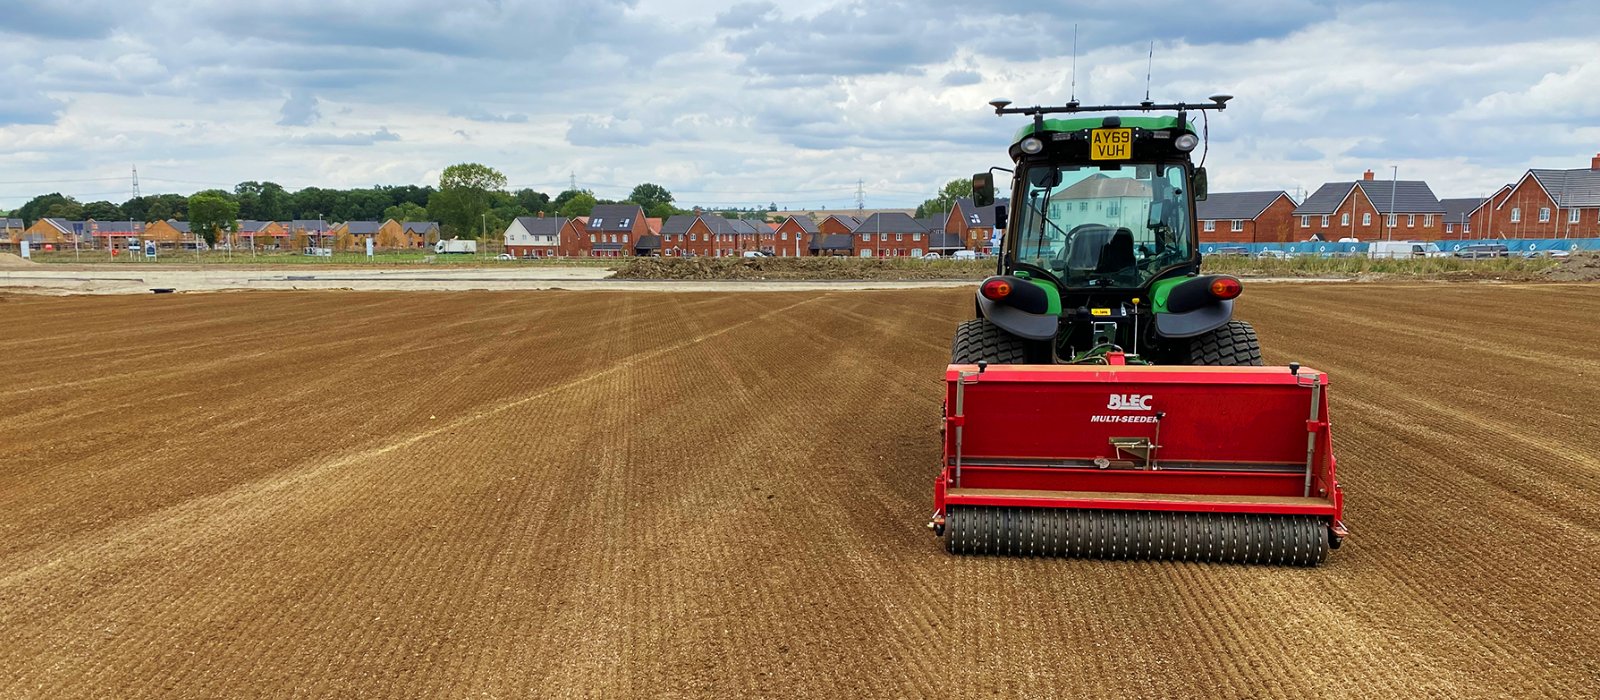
<point>1200,187</point>
<point>983,189</point>
<point>999,217</point>
<point>1157,214</point>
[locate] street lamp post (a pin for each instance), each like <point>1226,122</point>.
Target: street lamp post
<point>1394,184</point>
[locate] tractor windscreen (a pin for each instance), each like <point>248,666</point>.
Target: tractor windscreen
<point>1104,226</point>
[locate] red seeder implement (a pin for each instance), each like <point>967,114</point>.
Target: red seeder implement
<point>1227,464</point>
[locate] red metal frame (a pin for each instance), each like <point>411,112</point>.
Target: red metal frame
<point>1237,438</point>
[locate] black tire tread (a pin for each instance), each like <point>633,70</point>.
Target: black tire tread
<point>980,340</point>
<point>1233,344</point>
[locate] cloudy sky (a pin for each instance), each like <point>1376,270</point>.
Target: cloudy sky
<point>743,103</point>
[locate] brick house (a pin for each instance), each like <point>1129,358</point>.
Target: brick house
<point>700,234</point>
<point>973,224</point>
<point>890,235</point>
<point>1550,204</point>
<point>1356,210</point>
<point>11,232</point>
<point>796,236</point>
<point>1246,217</point>
<point>420,233</point>
<point>534,236</point>
<point>614,229</point>
<point>267,235</point>
<point>169,233</point>
<point>1465,217</point>
<point>575,238</point>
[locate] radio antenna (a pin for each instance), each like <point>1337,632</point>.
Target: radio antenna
<point>1074,97</point>
<point>1150,63</point>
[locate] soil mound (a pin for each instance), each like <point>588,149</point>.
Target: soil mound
<point>12,260</point>
<point>821,268</point>
<point>1578,268</point>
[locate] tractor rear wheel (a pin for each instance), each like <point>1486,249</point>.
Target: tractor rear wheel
<point>1233,344</point>
<point>979,340</point>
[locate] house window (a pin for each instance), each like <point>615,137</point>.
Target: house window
<point>592,238</point>
<point>866,238</point>
<point>784,236</point>
<point>1516,214</point>
<point>1344,219</point>
<point>918,236</point>
<point>1411,220</point>
<point>1305,222</point>
<point>624,238</point>
<point>1238,224</point>
<point>1114,209</point>
<point>1449,228</point>
<point>1466,228</point>
<point>1083,206</point>
<point>623,223</point>
<point>1210,225</point>
<point>1324,220</point>
<point>595,223</point>
<point>899,237</point>
<point>1544,215</point>
<point>1366,219</point>
<point>1427,221</point>
<point>1573,216</point>
<point>694,236</point>
<point>1392,220</point>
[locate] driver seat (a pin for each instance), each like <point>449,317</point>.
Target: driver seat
<point>1117,255</point>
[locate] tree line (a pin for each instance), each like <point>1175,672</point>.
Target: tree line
<point>471,201</point>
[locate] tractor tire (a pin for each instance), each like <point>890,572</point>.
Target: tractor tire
<point>1233,344</point>
<point>979,340</point>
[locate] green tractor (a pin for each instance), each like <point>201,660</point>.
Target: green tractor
<point>1101,255</point>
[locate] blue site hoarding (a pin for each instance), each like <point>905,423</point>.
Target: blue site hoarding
<point>1515,245</point>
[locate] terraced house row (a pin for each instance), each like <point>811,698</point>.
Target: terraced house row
<point>247,234</point>
<point>1543,203</point>
<point>615,230</point>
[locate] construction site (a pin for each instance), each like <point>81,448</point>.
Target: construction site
<point>614,494</point>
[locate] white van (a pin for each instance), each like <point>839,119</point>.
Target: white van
<point>964,255</point>
<point>1403,249</point>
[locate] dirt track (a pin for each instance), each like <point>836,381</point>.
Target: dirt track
<point>615,494</point>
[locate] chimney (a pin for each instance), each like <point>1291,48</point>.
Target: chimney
<point>1367,175</point>
<point>541,215</point>
<point>697,211</point>
<point>1594,164</point>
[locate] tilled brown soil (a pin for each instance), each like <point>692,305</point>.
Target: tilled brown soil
<point>616,494</point>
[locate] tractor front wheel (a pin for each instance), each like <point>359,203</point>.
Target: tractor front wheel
<point>1233,344</point>
<point>980,340</point>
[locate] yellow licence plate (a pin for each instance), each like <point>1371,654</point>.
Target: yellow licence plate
<point>1111,144</point>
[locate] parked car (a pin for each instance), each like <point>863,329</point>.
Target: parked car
<point>1273,254</point>
<point>757,254</point>
<point>964,255</point>
<point>1231,250</point>
<point>505,256</point>
<point>931,256</point>
<point>1553,253</point>
<point>1404,249</point>
<point>1483,250</point>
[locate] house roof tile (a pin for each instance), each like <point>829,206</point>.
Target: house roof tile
<point>1571,188</point>
<point>1236,205</point>
<point>615,217</point>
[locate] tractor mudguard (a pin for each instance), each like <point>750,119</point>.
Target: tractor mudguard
<point>1018,322</point>
<point>1193,323</point>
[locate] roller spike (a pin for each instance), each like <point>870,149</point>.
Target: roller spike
<point>1120,534</point>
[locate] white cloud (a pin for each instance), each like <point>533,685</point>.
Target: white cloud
<point>749,102</point>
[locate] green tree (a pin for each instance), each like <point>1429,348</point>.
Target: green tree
<point>35,208</point>
<point>212,212</point>
<point>532,200</point>
<point>266,201</point>
<point>945,200</point>
<point>72,211</point>
<point>566,196</point>
<point>167,206</point>
<point>464,198</point>
<point>103,211</point>
<point>579,205</point>
<point>405,211</point>
<point>650,196</point>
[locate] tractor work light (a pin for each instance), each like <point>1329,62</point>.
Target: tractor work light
<point>1032,145</point>
<point>995,289</point>
<point>1186,142</point>
<point>1226,287</point>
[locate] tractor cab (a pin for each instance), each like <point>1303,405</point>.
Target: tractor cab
<point>1102,220</point>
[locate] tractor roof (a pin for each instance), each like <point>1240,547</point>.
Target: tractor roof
<point>1081,123</point>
